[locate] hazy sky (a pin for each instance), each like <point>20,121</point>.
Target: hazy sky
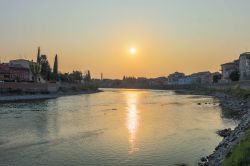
<point>169,35</point>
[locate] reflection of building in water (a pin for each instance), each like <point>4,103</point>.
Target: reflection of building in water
<point>132,120</point>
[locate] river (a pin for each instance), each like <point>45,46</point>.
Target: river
<point>111,128</point>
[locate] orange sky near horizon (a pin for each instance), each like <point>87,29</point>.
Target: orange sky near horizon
<point>97,36</point>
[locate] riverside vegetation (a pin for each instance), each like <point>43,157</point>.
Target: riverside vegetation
<point>241,153</point>
<point>234,149</point>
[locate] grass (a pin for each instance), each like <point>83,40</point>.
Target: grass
<point>234,91</point>
<point>238,92</point>
<point>240,155</point>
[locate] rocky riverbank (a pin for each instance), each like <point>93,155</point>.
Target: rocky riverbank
<point>235,107</point>
<point>31,97</point>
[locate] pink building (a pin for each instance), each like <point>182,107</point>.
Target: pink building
<point>14,72</point>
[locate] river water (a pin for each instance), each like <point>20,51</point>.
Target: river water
<point>111,128</point>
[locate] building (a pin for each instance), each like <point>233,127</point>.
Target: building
<point>228,68</point>
<point>4,72</point>
<point>157,82</point>
<point>202,77</point>
<point>216,77</point>
<point>196,78</point>
<point>13,72</point>
<point>23,64</point>
<point>17,70</point>
<point>186,80</point>
<point>174,78</point>
<point>244,66</point>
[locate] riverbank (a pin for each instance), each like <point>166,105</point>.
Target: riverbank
<point>235,107</point>
<point>32,97</point>
<point>235,104</point>
<point>241,153</point>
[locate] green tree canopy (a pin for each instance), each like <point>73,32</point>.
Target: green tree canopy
<point>45,67</point>
<point>35,70</point>
<point>235,76</point>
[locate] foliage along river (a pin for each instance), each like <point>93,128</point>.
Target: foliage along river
<point>115,127</point>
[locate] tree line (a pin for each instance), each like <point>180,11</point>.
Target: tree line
<point>42,68</point>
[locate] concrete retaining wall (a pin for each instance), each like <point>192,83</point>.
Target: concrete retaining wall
<point>6,87</point>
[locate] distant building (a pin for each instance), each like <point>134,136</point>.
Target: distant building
<point>244,66</point>
<point>4,72</point>
<point>175,77</point>
<point>17,70</point>
<point>157,82</point>
<point>228,68</point>
<point>216,77</point>
<point>13,72</point>
<point>196,78</point>
<point>202,77</point>
<point>22,64</point>
<point>186,80</point>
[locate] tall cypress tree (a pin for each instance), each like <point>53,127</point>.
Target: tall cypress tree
<point>45,67</point>
<point>55,69</point>
<point>38,59</point>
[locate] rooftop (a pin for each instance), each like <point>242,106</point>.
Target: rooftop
<point>245,54</point>
<point>16,60</point>
<point>227,64</point>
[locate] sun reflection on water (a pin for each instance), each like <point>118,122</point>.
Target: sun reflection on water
<point>132,121</point>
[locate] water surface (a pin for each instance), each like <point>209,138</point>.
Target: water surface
<point>115,127</point>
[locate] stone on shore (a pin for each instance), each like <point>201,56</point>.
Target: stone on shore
<point>224,133</point>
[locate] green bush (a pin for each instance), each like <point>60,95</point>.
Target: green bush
<point>240,155</point>
<point>238,92</point>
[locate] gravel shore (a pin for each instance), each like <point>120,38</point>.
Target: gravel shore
<point>26,97</point>
<point>237,106</point>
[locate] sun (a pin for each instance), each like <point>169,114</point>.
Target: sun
<point>132,51</point>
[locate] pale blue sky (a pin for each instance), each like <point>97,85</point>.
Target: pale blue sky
<point>184,35</point>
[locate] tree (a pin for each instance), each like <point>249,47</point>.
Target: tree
<point>35,70</point>
<point>76,76</point>
<point>55,68</point>
<point>64,77</point>
<point>38,56</point>
<point>45,67</point>
<point>235,76</point>
<point>216,78</point>
<point>87,77</point>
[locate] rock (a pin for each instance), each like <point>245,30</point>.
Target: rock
<point>236,107</point>
<point>202,164</point>
<point>203,159</point>
<point>182,164</point>
<point>224,133</point>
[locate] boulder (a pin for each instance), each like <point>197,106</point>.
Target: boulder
<point>224,133</point>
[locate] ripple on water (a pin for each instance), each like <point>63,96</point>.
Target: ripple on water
<point>140,127</point>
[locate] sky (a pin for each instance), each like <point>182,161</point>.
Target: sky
<point>96,35</point>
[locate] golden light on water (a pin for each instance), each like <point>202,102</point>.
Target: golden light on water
<point>132,122</point>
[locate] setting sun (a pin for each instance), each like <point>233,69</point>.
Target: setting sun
<point>132,51</point>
